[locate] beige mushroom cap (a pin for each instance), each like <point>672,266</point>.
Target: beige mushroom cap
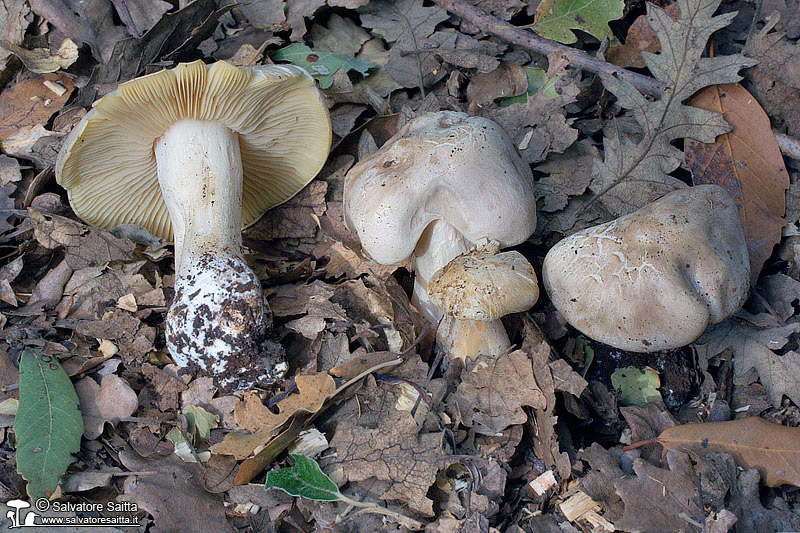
<point>484,285</point>
<point>441,166</point>
<point>109,168</point>
<point>655,279</point>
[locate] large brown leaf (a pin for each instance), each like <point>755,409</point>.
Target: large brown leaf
<point>747,163</point>
<point>755,443</point>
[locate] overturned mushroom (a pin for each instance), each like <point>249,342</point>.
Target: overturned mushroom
<point>443,182</point>
<point>655,279</point>
<point>195,153</point>
<point>475,290</point>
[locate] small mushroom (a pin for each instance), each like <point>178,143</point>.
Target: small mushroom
<point>655,279</point>
<point>442,183</point>
<point>194,154</point>
<point>475,290</point>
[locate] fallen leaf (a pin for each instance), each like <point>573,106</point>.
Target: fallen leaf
<point>646,423</point>
<point>555,18</point>
<point>640,38</point>
<point>29,103</point>
<point>508,79</point>
<point>133,338</point>
<point>264,14</point>
<point>657,499</point>
<point>83,481</point>
<point>393,452</point>
<point>111,400</point>
<point>492,393</point>
<point>755,443</point>
<point>321,65</point>
<point>9,170</point>
<point>781,291</point>
<point>635,167</point>
<point>754,346</point>
<point>16,15</point>
<point>566,379</point>
<point>342,36</point>
<point>296,219</point>
<point>84,245</point>
<point>636,386</point>
<point>40,61</point>
<point>747,163</point>
<point>598,482</point>
<point>174,496</point>
<point>775,80</point>
<point>569,174</point>
<point>753,516</point>
<point>164,386</point>
<point>312,392</point>
<point>296,13</point>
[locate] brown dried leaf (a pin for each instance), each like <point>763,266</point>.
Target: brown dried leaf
<point>16,17</point>
<point>312,392</point>
<point>747,163</point>
<point>85,246</point>
<point>296,13</point>
<point>657,499</point>
<point>112,399</point>
<point>134,339</point>
<point>492,393</point>
<point>189,507</point>
<point>296,219</point>
<point>9,170</point>
<point>640,38</point>
<point>392,452</point>
<point>30,103</point>
<point>566,379</point>
<point>508,79</point>
<point>755,443</point>
<point>264,14</point>
<point>569,175</point>
<point>165,387</point>
<point>40,61</point>
<point>312,299</point>
<point>753,345</point>
<point>775,80</point>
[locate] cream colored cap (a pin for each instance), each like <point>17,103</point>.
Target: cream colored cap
<point>484,285</point>
<point>108,165</point>
<point>655,279</point>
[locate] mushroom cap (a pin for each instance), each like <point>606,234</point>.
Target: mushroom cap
<point>108,166</point>
<point>440,166</point>
<point>655,279</point>
<point>482,285</point>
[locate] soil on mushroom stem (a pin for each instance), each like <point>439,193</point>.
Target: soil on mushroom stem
<point>676,368</point>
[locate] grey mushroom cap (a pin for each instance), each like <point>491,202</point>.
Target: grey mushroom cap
<point>655,279</point>
<point>441,166</point>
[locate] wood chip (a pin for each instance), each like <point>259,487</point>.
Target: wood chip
<point>55,87</point>
<point>578,505</point>
<point>541,484</point>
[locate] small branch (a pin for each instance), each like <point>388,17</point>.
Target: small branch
<point>365,507</point>
<point>535,43</point>
<point>790,147</point>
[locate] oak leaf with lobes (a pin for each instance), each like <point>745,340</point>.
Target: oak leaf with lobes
<point>746,162</point>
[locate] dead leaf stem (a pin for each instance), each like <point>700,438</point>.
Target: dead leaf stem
<point>366,507</point>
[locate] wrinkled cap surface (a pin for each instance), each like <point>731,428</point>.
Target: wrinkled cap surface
<point>482,285</point>
<point>108,166</point>
<point>440,166</point>
<point>655,279</point>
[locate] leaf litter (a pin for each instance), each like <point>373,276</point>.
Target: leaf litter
<point>531,440</point>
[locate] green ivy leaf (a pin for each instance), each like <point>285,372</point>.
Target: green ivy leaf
<point>555,18</point>
<point>199,421</point>
<point>48,425</point>
<point>635,386</point>
<point>321,65</point>
<point>305,479</point>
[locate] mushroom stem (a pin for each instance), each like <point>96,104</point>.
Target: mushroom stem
<point>467,339</point>
<point>217,321</point>
<point>200,174</point>
<point>438,245</point>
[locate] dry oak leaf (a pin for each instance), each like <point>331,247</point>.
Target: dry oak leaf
<point>753,346</point>
<point>393,452</point>
<point>296,219</point>
<point>492,392</point>
<point>112,399</point>
<point>657,499</point>
<point>753,442</point>
<point>29,103</point>
<point>251,414</point>
<point>747,163</point>
<point>640,38</point>
<point>84,246</point>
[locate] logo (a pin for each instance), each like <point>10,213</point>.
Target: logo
<point>109,514</point>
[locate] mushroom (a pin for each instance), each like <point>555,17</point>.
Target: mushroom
<point>655,279</point>
<point>443,182</point>
<point>193,154</point>
<point>475,290</point>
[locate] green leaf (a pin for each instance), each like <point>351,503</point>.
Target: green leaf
<point>48,425</point>
<point>305,479</point>
<point>321,65</point>
<point>635,386</point>
<point>200,422</point>
<point>555,18</point>
<point>537,80</point>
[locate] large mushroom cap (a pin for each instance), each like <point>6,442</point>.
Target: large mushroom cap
<point>654,279</point>
<point>484,285</point>
<point>109,168</point>
<point>441,166</point>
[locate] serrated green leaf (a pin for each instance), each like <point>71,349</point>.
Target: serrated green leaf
<point>200,422</point>
<point>305,479</point>
<point>321,65</point>
<point>555,18</point>
<point>636,386</point>
<point>48,425</point>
